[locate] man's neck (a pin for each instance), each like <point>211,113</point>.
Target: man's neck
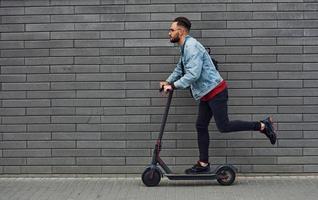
<point>182,40</point>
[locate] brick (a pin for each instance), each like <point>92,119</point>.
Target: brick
<point>49,60</point>
<point>101,144</point>
<point>226,33</point>
<point>201,7</point>
<point>125,34</point>
<point>49,44</point>
<point>284,67</point>
<point>100,60</point>
<point>74,85</point>
<point>51,161</point>
<point>277,50</point>
<point>124,52</point>
<point>11,111</point>
<point>278,101</point>
<point>228,15</point>
<point>77,169</point>
<point>298,160</point>
<point>100,161</point>
<point>49,10</point>
<point>13,144</point>
<point>51,111</point>
<point>297,24</point>
<point>74,18</point>
<point>51,144</point>
<point>51,127</point>
<point>278,15</point>
<point>13,161</point>
<point>171,16</point>
<point>73,68</point>
<point>26,120</point>
<point>12,11</point>
<point>26,136</point>
<point>75,102</point>
<point>76,136</point>
<point>100,9</point>
<point>148,59</point>
<point>99,26</point>
<point>25,103</point>
<point>149,8</point>
<point>25,3</point>
<point>125,152</point>
<point>10,95</point>
<point>11,44</point>
<point>75,35</point>
<point>75,152</point>
<point>278,84</point>
<point>25,53</point>
<point>277,152</point>
<point>75,119</point>
<point>252,24</point>
<point>75,52</point>
<point>147,25</point>
<point>127,17</point>
<point>27,153</point>
<point>251,41</point>
<point>74,2</point>
<point>11,61</point>
<point>25,19</point>
<point>278,32</point>
<point>98,43</point>
<point>50,27</point>
<point>12,78</point>
<point>252,7</point>
<point>11,27</point>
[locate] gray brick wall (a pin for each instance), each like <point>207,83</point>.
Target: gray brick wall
<point>79,84</point>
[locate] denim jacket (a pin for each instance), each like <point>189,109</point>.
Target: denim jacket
<point>200,73</point>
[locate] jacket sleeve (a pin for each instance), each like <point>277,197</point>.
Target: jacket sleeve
<point>192,66</point>
<point>176,74</point>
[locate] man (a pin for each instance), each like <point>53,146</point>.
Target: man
<point>196,70</point>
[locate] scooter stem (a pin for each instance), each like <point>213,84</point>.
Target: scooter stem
<point>165,115</point>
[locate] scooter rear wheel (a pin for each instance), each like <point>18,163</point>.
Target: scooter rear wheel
<point>225,175</point>
<point>151,177</point>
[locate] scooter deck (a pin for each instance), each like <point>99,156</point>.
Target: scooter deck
<point>191,176</point>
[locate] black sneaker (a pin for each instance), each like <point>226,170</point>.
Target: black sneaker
<point>269,130</point>
<point>198,169</point>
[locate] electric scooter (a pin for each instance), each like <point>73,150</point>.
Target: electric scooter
<point>224,174</point>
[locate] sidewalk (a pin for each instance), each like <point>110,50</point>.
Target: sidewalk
<point>92,188</point>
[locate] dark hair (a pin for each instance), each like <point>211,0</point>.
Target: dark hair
<point>183,21</point>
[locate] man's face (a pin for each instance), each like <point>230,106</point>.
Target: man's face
<point>174,33</point>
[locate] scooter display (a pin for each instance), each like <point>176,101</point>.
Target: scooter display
<point>224,174</point>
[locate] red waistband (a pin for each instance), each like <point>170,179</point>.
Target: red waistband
<point>218,89</point>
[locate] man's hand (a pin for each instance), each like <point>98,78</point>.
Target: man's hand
<point>163,83</point>
<point>167,88</point>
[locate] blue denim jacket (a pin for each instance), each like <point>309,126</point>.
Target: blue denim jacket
<point>200,73</point>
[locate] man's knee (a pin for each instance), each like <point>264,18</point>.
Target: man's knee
<point>223,128</point>
<point>201,126</point>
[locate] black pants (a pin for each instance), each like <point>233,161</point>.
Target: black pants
<point>217,107</point>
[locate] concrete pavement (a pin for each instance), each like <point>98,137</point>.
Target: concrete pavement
<point>114,188</point>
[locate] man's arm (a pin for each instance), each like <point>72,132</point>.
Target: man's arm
<point>192,67</point>
<point>176,74</point>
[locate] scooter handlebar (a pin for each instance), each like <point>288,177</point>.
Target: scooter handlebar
<point>162,88</point>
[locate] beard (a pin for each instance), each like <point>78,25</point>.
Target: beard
<point>175,39</point>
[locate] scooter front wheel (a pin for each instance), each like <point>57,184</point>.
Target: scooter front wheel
<point>151,177</point>
<point>226,175</point>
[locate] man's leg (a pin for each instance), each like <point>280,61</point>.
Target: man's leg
<point>202,124</point>
<point>218,105</point>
